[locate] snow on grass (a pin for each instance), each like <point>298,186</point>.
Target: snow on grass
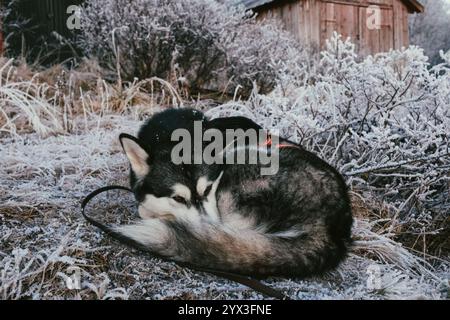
<point>43,234</point>
<point>382,122</point>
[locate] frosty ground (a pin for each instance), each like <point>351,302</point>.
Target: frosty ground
<point>383,121</point>
<point>43,234</point>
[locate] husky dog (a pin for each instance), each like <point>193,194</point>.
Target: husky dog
<point>229,217</point>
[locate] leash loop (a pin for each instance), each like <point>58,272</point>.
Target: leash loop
<point>244,280</point>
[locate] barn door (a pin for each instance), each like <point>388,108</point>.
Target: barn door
<point>379,38</point>
<point>387,30</point>
<point>350,20</point>
<point>339,17</point>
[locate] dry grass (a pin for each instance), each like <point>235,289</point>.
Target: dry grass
<point>436,248</point>
<point>49,101</point>
<point>59,141</point>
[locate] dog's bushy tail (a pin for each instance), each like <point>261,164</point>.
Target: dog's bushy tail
<point>244,251</point>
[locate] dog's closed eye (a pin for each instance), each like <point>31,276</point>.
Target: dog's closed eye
<point>179,199</point>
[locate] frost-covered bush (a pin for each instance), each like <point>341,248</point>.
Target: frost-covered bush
<point>384,122</point>
<point>197,43</point>
<point>257,52</point>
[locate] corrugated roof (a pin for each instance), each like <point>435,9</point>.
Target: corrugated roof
<point>413,5</point>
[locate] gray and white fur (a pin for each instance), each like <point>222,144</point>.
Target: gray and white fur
<point>229,217</point>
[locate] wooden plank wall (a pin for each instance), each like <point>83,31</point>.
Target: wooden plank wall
<point>376,40</point>
<point>1,31</point>
<point>313,21</point>
<point>50,15</point>
<point>349,18</point>
<point>301,17</point>
<point>340,17</point>
<point>401,31</point>
<point>387,30</point>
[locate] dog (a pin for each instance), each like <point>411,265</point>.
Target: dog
<point>230,217</point>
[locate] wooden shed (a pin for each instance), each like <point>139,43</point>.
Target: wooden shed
<point>373,25</point>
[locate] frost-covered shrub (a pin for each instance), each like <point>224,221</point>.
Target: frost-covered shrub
<point>258,52</point>
<point>198,43</point>
<point>384,122</point>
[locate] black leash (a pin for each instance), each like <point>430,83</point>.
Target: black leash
<point>246,281</point>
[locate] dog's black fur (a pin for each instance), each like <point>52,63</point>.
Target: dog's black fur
<point>295,223</point>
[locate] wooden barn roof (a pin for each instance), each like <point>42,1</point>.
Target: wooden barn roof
<point>412,5</point>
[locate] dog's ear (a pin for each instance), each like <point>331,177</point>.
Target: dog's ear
<point>137,156</point>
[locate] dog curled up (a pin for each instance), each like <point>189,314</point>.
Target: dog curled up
<point>231,217</point>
